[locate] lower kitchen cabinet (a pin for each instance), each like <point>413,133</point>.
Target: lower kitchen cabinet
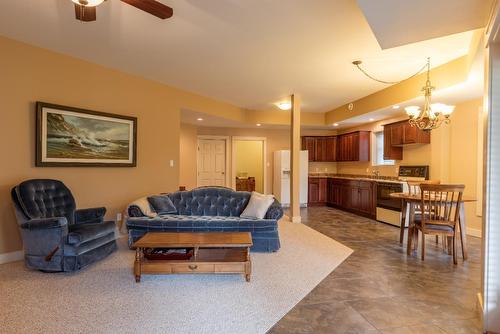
<point>356,196</point>
<point>317,192</point>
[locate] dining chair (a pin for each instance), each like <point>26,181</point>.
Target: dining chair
<point>440,209</point>
<point>414,189</point>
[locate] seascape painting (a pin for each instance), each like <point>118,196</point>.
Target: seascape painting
<point>76,137</point>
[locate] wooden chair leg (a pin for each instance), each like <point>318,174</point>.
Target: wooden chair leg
<point>437,239</point>
<point>423,245</point>
<point>449,241</point>
<point>409,241</point>
<point>415,239</point>
<point>455,249</point>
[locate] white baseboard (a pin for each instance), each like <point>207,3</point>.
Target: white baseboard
<point>11,257</point>
<point>474,232</point>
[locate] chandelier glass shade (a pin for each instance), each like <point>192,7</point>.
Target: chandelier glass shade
<point>88,3</point>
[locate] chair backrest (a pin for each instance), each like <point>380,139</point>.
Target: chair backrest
<point>441,202</point>
<point>414,186</point>
<point>44,198</point>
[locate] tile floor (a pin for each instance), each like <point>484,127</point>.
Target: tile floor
<point>379,289</point>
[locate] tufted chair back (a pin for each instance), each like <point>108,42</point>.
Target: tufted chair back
<point>44,198</point>
<point>210,201</point>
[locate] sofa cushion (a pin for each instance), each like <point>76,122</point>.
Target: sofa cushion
<point>162,204</point>
<point>202,223</point>
<point>257,206</point>
<point>81,233</point>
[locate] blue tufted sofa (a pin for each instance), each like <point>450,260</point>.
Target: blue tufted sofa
<point>210,209</point>
<point>56,236</point>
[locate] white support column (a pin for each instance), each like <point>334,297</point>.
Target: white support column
<point>295,160</point>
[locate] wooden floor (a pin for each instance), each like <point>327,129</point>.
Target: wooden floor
<point>379,289</point>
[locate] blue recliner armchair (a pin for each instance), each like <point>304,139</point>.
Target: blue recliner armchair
<point>56,236</point>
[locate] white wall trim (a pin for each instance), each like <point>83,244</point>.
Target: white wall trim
<point>11,257</point>
<point>473,232</point>
<point>264,162</point>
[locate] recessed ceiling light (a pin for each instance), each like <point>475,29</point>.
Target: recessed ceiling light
<point>335,124</point>
<point>285,105</point>
<point>199,119</point>
<point>371,119</point>
<point>258,124</point>
<point>395,107</point>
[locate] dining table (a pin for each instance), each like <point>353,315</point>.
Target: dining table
<point>408,200</point>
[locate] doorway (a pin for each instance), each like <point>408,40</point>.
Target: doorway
<point>249,162</point>
<point>212,161</point>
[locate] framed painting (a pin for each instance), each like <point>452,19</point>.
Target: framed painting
<point>73,137</point>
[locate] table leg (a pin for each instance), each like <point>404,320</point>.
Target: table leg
<point>463,230</point>
<point>248,266</point>
<point>403,221</point>
<point>137,264</point>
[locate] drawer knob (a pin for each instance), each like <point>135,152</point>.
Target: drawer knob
<point>193,266</point>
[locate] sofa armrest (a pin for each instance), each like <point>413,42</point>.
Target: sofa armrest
<point>44,223</point>
<point>134,211</point>
<point>275,211</point>
<point>90,216</point>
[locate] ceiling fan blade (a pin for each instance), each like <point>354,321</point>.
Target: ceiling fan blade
<point>85,14</point>
<point>152,7</point>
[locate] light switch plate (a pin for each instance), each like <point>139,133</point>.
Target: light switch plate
<point>171,163</point>
<point>119,217</point>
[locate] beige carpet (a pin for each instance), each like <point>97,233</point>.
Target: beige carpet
<point>104,298</point>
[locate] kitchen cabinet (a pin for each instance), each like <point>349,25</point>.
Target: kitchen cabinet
<point>309,144</point>
<point>317,191</point>
<point>321,148</point>
<point>333,192</point>
<point>399,134</point>
<point>331,148</point>
<point>356,196</point>
<point>354,146</point>
<point>391,152</point>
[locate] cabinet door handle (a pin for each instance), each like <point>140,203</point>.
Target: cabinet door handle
<point>193,266</point>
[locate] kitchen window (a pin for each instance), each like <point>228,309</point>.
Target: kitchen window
<point>378,151</point>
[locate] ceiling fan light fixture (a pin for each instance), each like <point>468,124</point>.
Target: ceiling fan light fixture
<point>88,3</point>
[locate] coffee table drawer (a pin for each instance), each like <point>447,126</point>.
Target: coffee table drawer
<point>230,268</point>
<point>192,268</point>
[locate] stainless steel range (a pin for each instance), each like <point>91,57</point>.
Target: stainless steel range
<point>389,209</point>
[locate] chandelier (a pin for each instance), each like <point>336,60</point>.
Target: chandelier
<point>433,114</point>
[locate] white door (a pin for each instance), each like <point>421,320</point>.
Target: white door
<point>211,162</point>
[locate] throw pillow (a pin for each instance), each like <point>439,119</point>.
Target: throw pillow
<point>257,206</point>
<point>162,204</point>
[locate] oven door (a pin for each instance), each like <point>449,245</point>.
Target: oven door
<point>384,200</point>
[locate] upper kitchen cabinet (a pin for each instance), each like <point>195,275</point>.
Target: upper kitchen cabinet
<point>402,133</point>
<point>321,148</point>
<point>354,146</point>
<point>399,134</point>
<point>309,144</point>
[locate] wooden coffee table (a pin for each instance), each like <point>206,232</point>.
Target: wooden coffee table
<point>216,253</point>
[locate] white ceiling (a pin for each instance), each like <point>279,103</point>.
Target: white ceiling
<point>422,19</point>
<point>249,53</point>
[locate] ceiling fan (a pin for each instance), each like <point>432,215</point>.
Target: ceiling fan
<point>85,10</point>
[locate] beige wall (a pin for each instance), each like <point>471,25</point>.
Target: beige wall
<point>30,74</point>
<point>276,139</point>
<point>249,159</point>
<point>452,154</point>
